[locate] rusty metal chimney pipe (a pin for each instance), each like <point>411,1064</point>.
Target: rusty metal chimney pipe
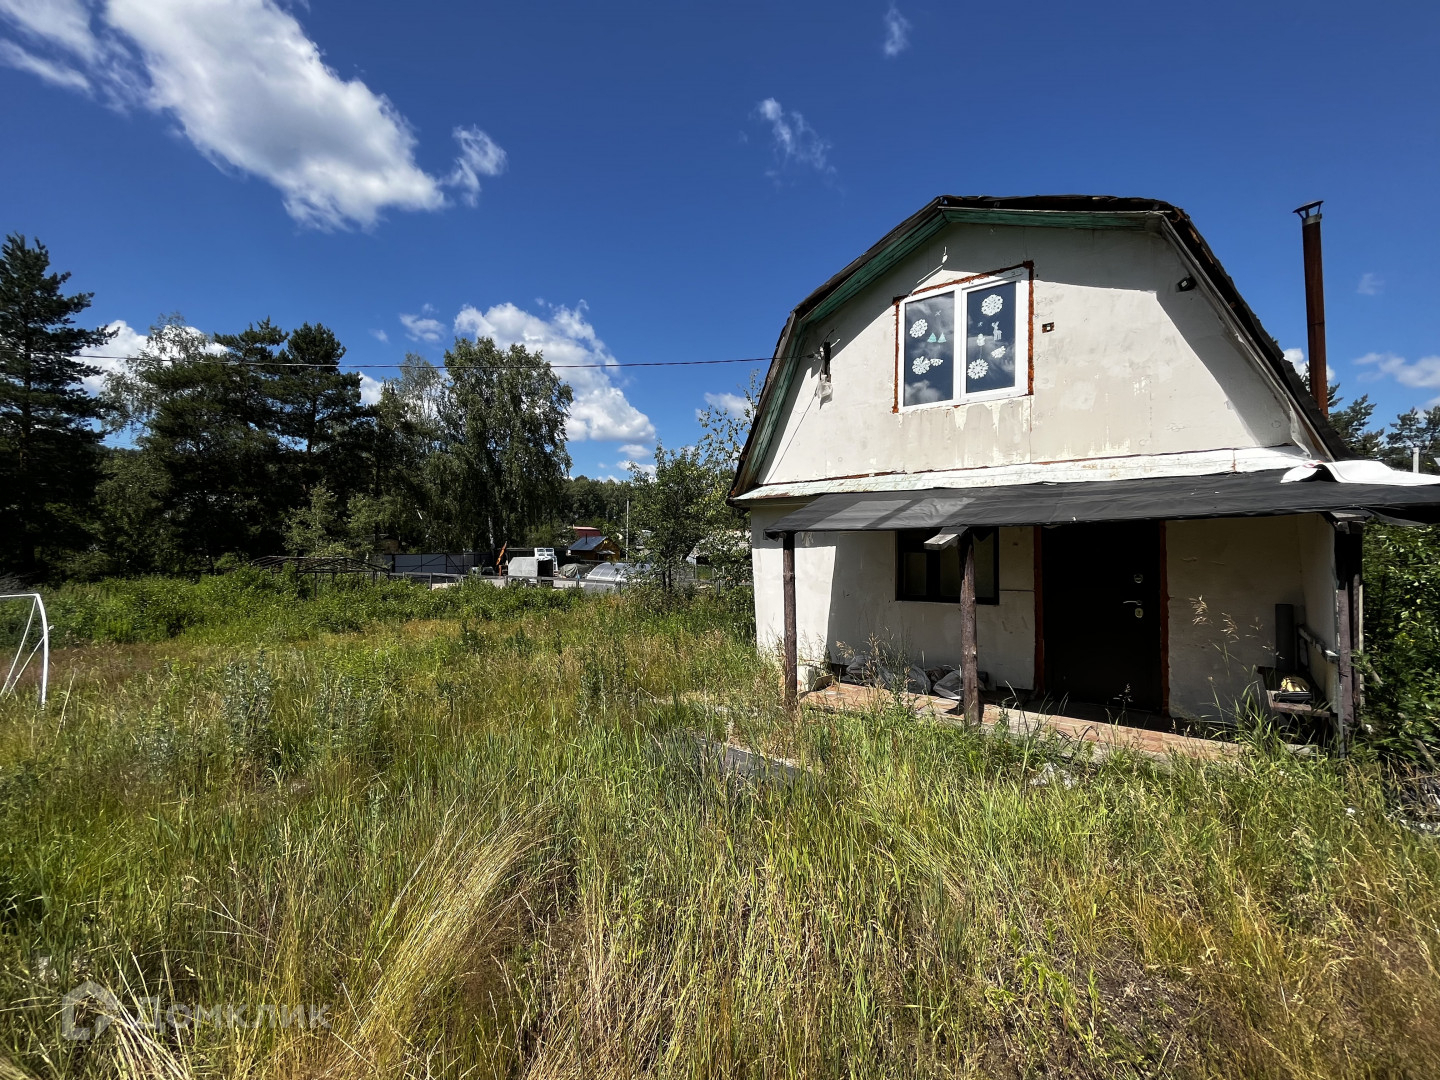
<point>1315,303</point>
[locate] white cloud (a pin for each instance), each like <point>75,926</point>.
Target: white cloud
<point>634,450</point>
<point>252,92</point>
<point>380,336</point>
<point>1297,360</point>
<point>1370,284</point>
<point>472,322</point>
<point>64,22</point>
<point>102,358</point>
<point>600,409</point>
<point>479,156</point>
<point>370,389</point>
<point>421,327</point>
<point>734,404</point>
<point>128,343</point>
<point>1421,374</point>
<point>796,142</point>
<point>53,72</point>
<point>897,32</point>
<point>647,470</point>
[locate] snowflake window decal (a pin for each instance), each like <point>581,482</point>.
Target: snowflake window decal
<point>983,330</point>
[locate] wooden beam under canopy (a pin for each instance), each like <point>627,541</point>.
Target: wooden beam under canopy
<point>1349,548</point>
<point>969,662</point>
<point>792,674</point>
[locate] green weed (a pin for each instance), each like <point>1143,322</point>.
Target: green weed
<point>484,844</point>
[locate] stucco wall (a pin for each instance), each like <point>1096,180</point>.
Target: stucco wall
<point>845,593</point>
<point>1133,367</point>
<point>1225,578</point>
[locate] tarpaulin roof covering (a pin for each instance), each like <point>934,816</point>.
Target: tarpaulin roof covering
<point>1168,498</point>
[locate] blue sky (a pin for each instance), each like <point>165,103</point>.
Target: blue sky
<point>665,181</point>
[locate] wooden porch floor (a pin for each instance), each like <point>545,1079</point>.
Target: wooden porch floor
<point>1102,738</point>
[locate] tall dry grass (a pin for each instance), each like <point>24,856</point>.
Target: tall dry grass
<point>490,849</point>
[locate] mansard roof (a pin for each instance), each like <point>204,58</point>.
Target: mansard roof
<point>1045,211</point>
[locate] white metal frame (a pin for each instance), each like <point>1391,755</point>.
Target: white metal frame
<point>1021,279</point>
<point>22,658</point>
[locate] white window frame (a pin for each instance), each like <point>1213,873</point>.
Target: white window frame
<point>1021,276</point>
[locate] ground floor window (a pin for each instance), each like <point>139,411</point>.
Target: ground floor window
<point>934,576</point>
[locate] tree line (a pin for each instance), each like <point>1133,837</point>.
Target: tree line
<point>1395,443</point>
<point>206,450</point>
<point>255,443</point>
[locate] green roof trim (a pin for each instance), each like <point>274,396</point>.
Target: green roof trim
<point>875,268</point>
<point>1051,219</point>
<point>899,247</point>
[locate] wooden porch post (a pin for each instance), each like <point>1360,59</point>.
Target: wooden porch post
<point>792,673</point>
<point>969,670</point>
<point>1348,565</point>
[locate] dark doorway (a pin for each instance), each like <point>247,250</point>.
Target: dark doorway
<point>1103,619</point>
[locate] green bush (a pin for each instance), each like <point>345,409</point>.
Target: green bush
<point>1401,661</point>
<point>249,605</point>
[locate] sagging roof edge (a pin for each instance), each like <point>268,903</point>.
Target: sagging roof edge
<point>783,366</point>
<point>1167,498</point>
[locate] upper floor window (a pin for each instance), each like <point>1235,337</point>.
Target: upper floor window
<point>990,355</point>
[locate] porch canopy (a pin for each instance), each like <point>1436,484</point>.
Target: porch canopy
<point>1168,498</point>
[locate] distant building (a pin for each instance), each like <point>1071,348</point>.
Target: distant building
<point>454,563</point>
<point>592,548</point>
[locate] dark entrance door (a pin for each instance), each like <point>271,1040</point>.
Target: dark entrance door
<point>1101,589</point>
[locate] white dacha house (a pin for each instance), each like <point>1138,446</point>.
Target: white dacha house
<point>1045,438</point>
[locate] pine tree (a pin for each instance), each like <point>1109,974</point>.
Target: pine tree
<point>317,408</point>
<point>1352,423</point>
<point>49,441</point>
<point>1417,429</point>
<point>392,442</point>
<point>206,422</point>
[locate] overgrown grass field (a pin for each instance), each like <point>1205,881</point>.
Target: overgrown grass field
<point>468,834</point>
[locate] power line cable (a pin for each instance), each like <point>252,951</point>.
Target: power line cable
<point>376,367</point>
